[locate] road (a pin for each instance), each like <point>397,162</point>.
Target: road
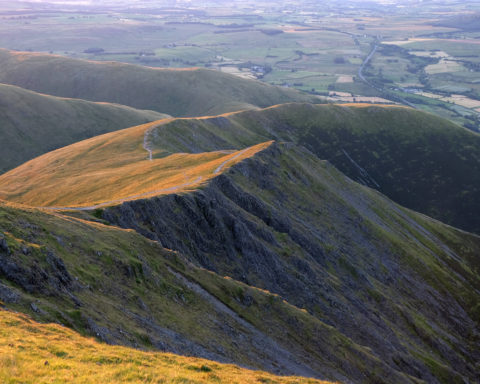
<point>380,89</point>
<point>365,62</point>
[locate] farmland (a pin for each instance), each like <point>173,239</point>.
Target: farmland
<point>423,49</point>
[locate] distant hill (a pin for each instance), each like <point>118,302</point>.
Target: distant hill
<point>177,92</point>
<point>32,123</point>
<point>465,22</point>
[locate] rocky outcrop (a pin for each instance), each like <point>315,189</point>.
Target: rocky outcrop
<point>50,278</point>
<point>9,295</point>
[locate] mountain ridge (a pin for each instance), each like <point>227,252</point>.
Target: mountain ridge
<point>175,92</point>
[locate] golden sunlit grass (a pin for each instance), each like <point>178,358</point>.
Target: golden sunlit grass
<point>49,353</point>
<point>111,168</point>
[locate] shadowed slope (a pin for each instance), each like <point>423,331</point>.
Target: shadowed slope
<point>419,160</point>
<point>192,92</point>
<point>32,124</point>
<point>124,289</point>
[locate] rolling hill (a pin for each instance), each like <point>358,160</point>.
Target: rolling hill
<point>112,168</point>
<point>177,92</point>
<point>338,280</point>
<point>32,124</point>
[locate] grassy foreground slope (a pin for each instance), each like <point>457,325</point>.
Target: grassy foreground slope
<point>32,124</point>
<point>419,160</point>
<point>189,92</point>
<point>31,352</point>
<point>124,289</point>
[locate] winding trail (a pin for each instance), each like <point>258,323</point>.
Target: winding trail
<point>146,144</point>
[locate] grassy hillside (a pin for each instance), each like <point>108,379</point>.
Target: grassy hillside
<point>33,353</point>
<point>419,160</point>
<point>32,124</point>
<point>112,168</point>
<point>189,92</point>
<point>380,294</point>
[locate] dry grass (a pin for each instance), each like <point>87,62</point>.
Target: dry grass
<point>49,353</point>
<point>345,79</point>
<point>444,66</point>
<point>111,168</point>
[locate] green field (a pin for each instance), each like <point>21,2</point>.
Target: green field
<point>302,47</point>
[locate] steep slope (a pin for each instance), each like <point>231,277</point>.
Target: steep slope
<point>122,288</point>
<point>403,285</point>
<point>32,124</point>
<point>31,353</point>
<point>421,161</point>
<point>189,92</point>
<point>389,295</point>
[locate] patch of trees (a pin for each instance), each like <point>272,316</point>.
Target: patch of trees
<point>474,123</point>
<point>472,66</point>
<point>94,50</point>
<point>234,30</point>
<point>271,32</point>
<point>259,69</point>
<point>301,53</point>
<point>235,25</point>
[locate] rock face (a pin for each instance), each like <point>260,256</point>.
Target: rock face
<point>284,221</point>
<point>8,295</point>
<point>50,278</point>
